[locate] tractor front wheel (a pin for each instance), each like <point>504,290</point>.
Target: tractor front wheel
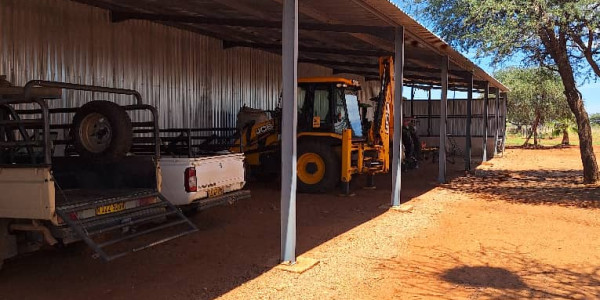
<point>318,168</point>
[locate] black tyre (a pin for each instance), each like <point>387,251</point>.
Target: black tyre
<point>102,130</point>
<point>318,167</point>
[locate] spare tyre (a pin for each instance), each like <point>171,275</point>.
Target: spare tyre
<point>102,130</point>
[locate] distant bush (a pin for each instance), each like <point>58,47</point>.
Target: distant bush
<point>595,119</point>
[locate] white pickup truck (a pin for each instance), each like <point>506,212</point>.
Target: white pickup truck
<point>89,173</point>
<point>197,173</point>
<point>207,180</point>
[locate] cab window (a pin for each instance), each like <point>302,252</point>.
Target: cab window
<point>321,106</point>
<point>301,97</point>
<point>341,116</point>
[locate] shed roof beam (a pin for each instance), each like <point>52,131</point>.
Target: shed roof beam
<point>356,72</point>
<point>374,53</point>
<point>462,74</point>
<point>365,37</point>
<point>437,79</point>
<point>339,63</point>
<point>260,14</point>
<point>117,16</point>
<point>409,35</point>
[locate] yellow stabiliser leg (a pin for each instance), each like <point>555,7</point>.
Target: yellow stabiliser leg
<point>346,161</point>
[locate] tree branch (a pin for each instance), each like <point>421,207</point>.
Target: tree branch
<point>587,52</point>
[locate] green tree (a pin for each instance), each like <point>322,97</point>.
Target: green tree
<point>595,118</point>
<point>536,99</point>
<point>559,35</point>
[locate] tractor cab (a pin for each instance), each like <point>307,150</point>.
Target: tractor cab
<point>329,105</point>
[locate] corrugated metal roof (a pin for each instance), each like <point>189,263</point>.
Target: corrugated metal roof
<point>342,51</point>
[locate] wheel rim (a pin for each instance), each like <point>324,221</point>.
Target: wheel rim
<point>95,133</point>
<point>311,168</point>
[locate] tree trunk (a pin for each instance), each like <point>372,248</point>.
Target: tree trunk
<point>533,128</point>
<point>535,137</point>
<point>584,130</point>
<point>565,139</point>
<point>557,48</point>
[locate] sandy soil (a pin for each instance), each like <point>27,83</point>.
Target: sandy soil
<point>519,226</point>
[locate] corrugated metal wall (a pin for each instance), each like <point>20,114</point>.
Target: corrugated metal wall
<point>188,77</point>
<point>457,122</point>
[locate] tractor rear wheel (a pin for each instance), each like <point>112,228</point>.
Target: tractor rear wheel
<point>318,167</point>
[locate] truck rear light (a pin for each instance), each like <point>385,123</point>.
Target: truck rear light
<point>191,182</point>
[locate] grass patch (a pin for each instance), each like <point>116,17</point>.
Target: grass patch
<point>518,139</point>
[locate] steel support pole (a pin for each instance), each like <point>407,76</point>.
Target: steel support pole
<point>429,111</point>
<point>443,121</point>
<point>412,101</point>
<point>397,141</point>
<point>288,130</point>
<point>497,115</point>
<point>486,100</point>
<point>468,127</point>
<point>504,112</point>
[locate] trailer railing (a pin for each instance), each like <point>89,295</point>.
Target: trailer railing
<point>35,127</point>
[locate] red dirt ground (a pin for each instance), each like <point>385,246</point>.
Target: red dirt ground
<point>495,234</point>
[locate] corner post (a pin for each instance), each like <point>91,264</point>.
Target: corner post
<point>397,140</point>
<point>288,130</point>
<point>443,121</point>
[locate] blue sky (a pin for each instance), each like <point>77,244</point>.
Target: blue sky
<point>590,91</point>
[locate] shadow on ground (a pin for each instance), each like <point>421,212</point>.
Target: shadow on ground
<point>562,187</point>
<point>492,273</point>
<point>484,276</point>
<point>235,244</point>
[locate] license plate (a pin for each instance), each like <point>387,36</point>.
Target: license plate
<point>111,208</point>
<point>214,192</point>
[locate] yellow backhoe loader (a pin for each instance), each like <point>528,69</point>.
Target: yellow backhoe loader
<point>334,142</point>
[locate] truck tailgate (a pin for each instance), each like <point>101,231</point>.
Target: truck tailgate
<point>217,175</point>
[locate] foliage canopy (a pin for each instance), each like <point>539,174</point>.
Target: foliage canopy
<point>536,95</point>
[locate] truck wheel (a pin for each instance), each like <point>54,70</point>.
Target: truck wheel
<point>102,129</point>
<point>318,168</point>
